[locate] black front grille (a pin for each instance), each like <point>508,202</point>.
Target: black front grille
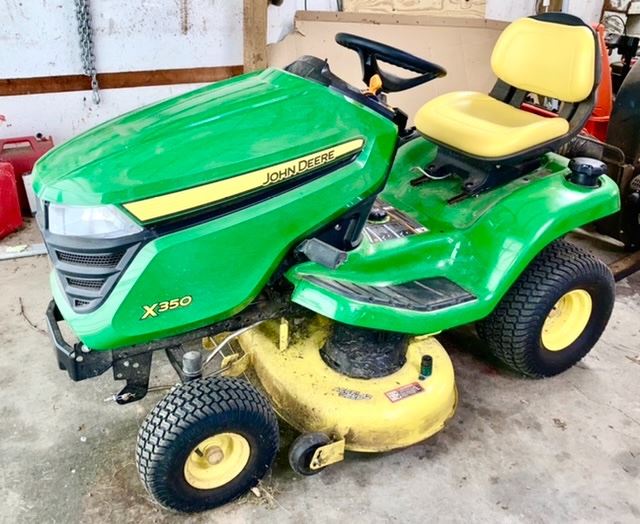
<point>86,283</point>
<point>91,260</point>
<point>89,269</point>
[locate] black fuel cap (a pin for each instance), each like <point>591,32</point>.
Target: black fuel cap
<point>586,171</point>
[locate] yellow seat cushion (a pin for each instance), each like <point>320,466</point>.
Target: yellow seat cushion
<point>554,60</point>
<point>483,126</point>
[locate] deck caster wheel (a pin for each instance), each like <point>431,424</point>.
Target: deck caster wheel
<point>554,314</point>
<point>302,450</point>
<point>206,443</point>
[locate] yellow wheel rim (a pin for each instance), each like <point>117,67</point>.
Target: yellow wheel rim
<point>566,320</point>
<point>216,461</point>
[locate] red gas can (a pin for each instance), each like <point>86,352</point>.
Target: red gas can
<point>22,152</point>
<point>10,218</point>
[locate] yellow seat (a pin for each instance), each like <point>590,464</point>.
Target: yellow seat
<point>550,55</point>
<point>483,126</point>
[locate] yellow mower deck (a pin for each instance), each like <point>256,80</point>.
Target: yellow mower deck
<point>371,415</point>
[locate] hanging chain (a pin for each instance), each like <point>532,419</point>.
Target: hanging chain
<point>86,46</point>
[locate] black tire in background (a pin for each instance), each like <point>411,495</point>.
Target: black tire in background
<point>623,130</point>
<point>513,331</point>
<point>187,416</point>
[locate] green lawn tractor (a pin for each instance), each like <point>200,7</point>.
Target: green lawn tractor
<point>316,245</point>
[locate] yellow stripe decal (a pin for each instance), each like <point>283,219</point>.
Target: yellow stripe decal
<point>186,199</point>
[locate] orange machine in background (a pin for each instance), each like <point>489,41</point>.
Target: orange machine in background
<point>598,122</point>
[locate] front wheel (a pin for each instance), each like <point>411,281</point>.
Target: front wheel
<point>206,443</point>
<point>302,451</point>
<point>554,314</point>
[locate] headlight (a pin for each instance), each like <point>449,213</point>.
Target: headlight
<point>93,222</point>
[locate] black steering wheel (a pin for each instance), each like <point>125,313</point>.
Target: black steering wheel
<point>370,52</point>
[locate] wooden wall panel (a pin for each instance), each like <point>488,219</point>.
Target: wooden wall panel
<point>65,83</point>
<point>467,8</point>
<point>255,34</point>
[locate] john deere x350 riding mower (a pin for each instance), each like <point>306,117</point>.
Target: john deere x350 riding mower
<point>316,244</point>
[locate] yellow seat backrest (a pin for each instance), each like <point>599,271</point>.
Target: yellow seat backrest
<point>546,58</point>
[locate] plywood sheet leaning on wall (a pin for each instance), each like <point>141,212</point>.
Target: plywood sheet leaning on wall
<point>462,46</point>
<point>466,8</point>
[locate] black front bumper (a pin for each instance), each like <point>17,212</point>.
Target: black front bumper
<point>132,364</point>
<point>78,361</point>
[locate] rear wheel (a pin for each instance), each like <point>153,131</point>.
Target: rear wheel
<point>206,443</point>
<point>554,314</point>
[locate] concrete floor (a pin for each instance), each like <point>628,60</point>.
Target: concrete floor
<point>517,450</point>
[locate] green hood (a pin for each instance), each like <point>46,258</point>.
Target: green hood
<point>215,132</point>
